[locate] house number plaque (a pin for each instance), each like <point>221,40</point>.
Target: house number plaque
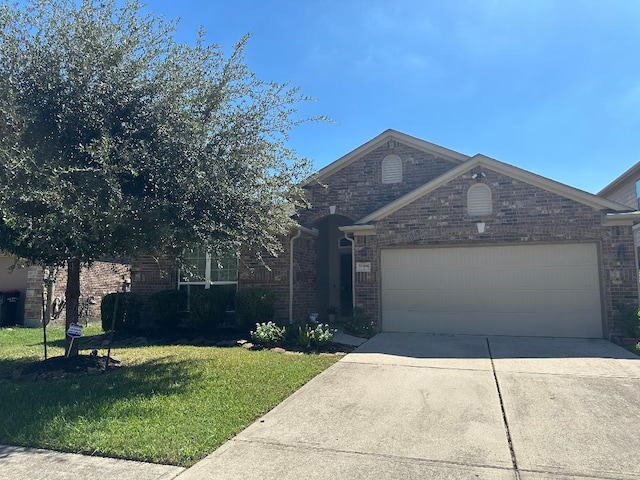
<point>363,267</point>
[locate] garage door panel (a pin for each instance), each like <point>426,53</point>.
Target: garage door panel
<point>545,290</point>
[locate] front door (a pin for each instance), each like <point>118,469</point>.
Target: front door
<point>346,285</point>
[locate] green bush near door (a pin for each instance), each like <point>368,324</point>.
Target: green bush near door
<point>127,302</point>
<point>254,305</point>
<point>207,308</point>
<point>168,307</point>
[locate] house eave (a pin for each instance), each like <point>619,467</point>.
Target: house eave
<point>378,141</point>
<point>359,229</point>
<point>631,173</point>
<point>504,169</point>
<point>620,219</point>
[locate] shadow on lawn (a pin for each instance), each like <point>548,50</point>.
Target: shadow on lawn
<point>27,408</point>
<point>221,337</point>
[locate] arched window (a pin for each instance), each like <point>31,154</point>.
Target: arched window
<point>392,169</point>
<point>479,200</point>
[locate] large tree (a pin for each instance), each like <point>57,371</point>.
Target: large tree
<point>116,139</point>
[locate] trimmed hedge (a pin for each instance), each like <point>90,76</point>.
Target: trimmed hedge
<point>167,308</point>
<point>254,305</point>
<point>129,303</point>
<point>207,308</point>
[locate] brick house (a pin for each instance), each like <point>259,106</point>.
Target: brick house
<point>103,277</point>
<point>425,239</point>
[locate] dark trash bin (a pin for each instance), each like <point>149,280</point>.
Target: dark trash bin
<point>9,300</point>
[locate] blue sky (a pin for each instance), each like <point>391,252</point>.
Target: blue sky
<point>549,86</point>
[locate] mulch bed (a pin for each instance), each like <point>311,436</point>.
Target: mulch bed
<point>57,368</point>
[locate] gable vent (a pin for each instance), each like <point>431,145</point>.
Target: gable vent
<point>479,200</point>
<point>392,169</point>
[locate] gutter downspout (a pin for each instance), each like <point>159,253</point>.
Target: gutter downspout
<point>297,235</point>
<point>353,273</point>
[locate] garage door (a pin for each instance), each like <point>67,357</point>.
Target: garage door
<point>539,290</point>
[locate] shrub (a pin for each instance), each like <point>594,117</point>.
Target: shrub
<point>317,336</point>
<point>254,305</point>
<point>630,320</point>
<point>321,334</point>
<point>304,336</point>
<point>129,303</point>
<point>167,307</point>
<point>360,325</point>
<point>269,334</point>
<point>207,308</point>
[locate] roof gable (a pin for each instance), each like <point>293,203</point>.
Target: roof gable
<point>632,174</point>
<point>376,142</point>
<point>499,167</point>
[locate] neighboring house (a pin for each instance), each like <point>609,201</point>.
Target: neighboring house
<point>425,239</point>
<point>626,190</point>
<point>103,277</point>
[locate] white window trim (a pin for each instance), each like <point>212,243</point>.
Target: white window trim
<point>207,277</point>
<point>481,188</point>
<point>397,161</point>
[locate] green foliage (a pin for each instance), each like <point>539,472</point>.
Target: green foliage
<point>629,320</point>
<point>116,139</point>
<point>167,404</point>
<point>254,305</point>
<point>360,325</point>
<point>129,303</point>
<point>304,336</point>
<point>317,335</point>
<point>321,334</point>
<point>207,308</point>
<point>269,334</point>
<point>168,308</point>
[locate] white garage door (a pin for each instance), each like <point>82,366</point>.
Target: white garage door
<point>539,290</point>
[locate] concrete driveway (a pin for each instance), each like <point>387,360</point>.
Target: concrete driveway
<point>408,406</point>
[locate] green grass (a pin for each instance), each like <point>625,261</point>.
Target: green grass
<point>169,404</point>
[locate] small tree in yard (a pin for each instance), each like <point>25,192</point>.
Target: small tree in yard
<point>117,140</point>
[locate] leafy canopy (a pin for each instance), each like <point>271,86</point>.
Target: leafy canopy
<point>115,139</point>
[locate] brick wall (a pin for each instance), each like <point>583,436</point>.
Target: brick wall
<point>304,276</point>
<point>521,214</point>
<point>103,277</point>
<point>151,274</point>
<point>356,190</point>
<point>268,272</point>
<point>100,279</point>
<point>33,299</point>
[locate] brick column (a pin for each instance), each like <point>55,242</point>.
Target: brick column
<point>33,298</point>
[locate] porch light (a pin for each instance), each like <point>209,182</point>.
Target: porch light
<point>332,209</point>
<point>480,226</point>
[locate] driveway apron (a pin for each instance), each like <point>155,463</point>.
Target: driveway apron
<point>450,407</point>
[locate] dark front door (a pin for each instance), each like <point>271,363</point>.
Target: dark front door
<point>346,285</point>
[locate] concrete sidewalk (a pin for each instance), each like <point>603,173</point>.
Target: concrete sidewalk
<point>423,406</point>
<point>18,463</point>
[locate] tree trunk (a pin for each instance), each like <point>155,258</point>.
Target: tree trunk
<point>72,303</point>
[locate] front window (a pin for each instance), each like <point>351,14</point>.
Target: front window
<point>201,269</point>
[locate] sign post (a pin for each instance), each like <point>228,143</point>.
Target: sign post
<point>74,331</point>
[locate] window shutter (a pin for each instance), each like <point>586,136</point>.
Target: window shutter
<point>479,200</point>
<point>392,169</point>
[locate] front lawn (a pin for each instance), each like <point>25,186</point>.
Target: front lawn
<point>168,404</point>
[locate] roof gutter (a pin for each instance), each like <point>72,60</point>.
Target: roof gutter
<point>359,229</point>
<point>618,219</point>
